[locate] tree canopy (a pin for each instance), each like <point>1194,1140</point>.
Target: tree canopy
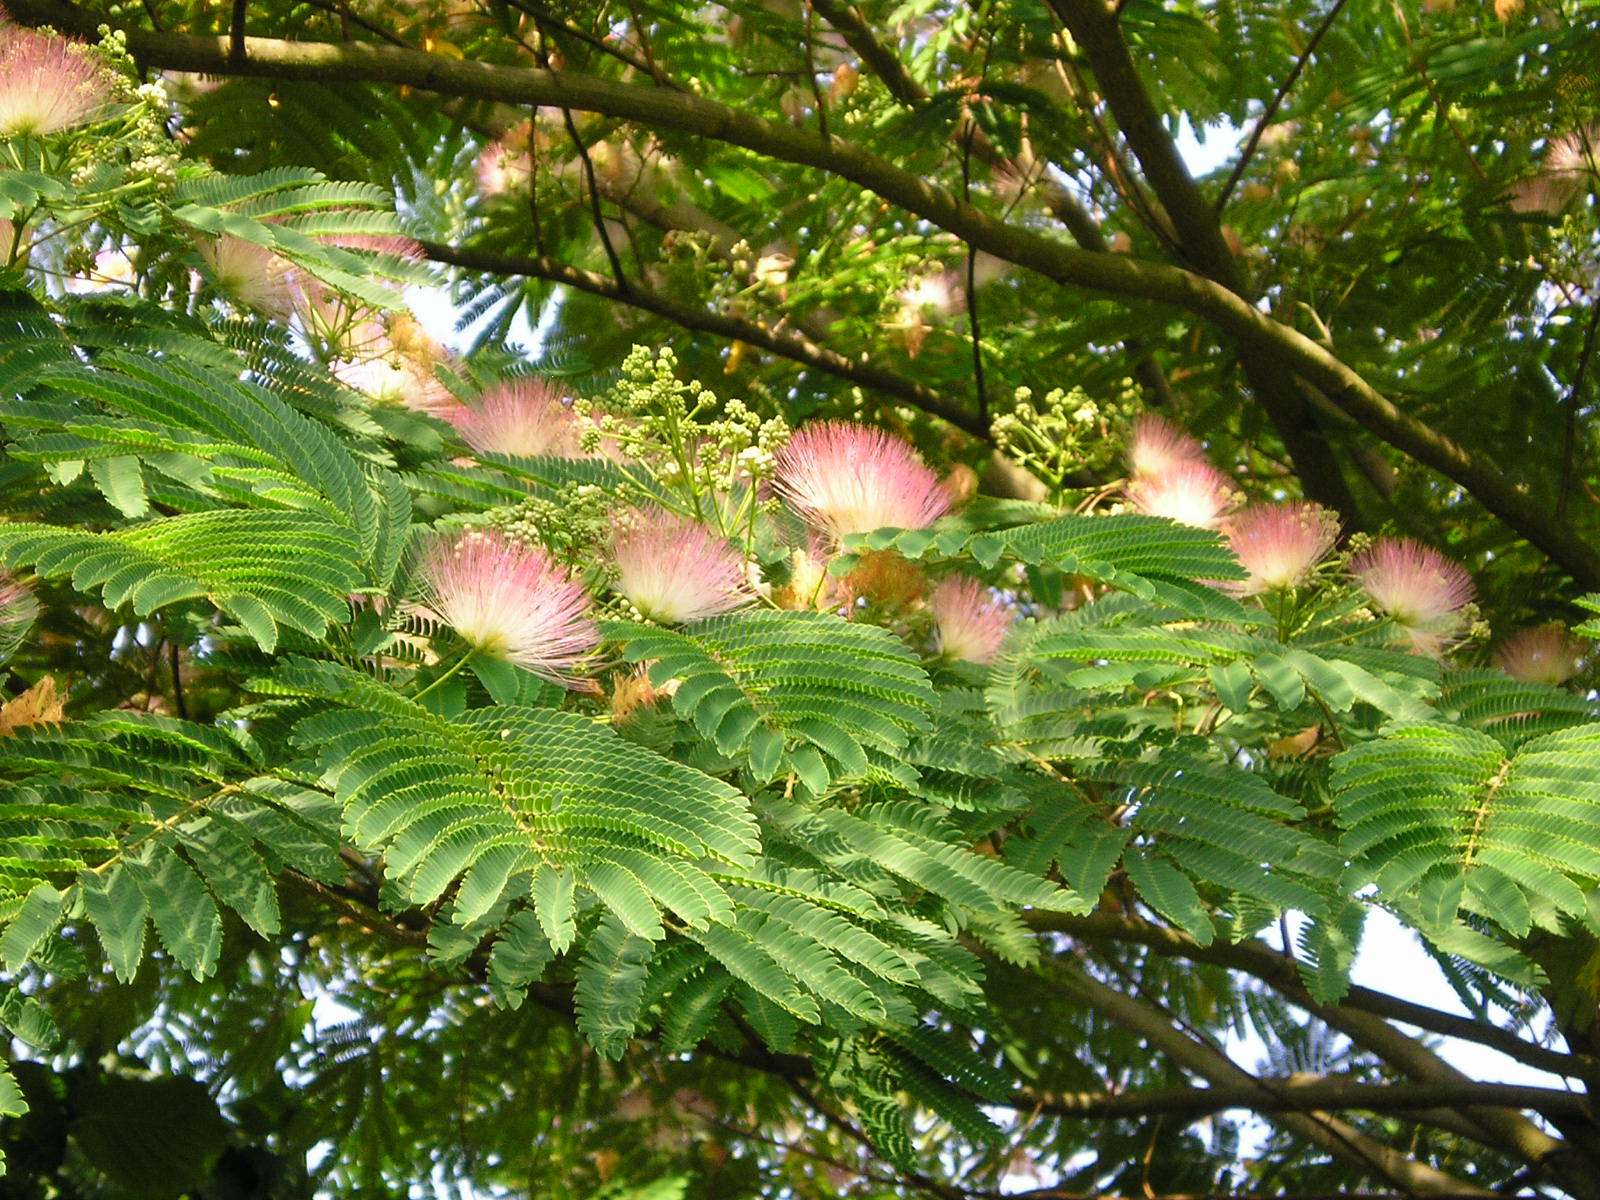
<point>896,655</point>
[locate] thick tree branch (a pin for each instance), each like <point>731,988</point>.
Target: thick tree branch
<point>1098,34</point>
<point>1111,273</point>
<point>691,316</point>
<point>1096,30</point>
<point>1315,1093</point>
<point>1268,965</point>
<point>1058,201</point>
<point>1329,1133</point>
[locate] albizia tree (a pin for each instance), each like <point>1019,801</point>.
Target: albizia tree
<point>914,685</point>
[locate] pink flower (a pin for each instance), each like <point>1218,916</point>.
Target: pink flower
<point>519,417</point>
<point>1544,654</point>
<point>1279,544</point>
<point>1192,493</point>
<point>508,601</point>
<point>505,166</point>
<point>972,623</point>
<point>1418,588</point>
<point>1156,446</point>
<point>395,374</point>
<point>253,275</point>
<point>846,478</point>
<point>18,610</point>
<point>675,570</point>
<point>47,83</point>
<point>397,245</point>
<point>1569,162</point>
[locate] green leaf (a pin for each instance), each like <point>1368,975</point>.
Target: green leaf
<point>118,910</point>
<point>157,1136</point>
<point>1234,685</point>
<point>1164,888</point>
<point>610,986</point>
<point>12,1103</point>
<point>185,916</point>
<point>41,913</point>
<point>234,871</point>
<point>520,955</point>
<point>553,902</point>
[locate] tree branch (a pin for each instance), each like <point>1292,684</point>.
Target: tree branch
<point>1111,273</point>
<point>1302,1094</point>
<point>1329,1133</point>
<point>1271,111</point>
<point>1260,960</point>
<point>785,345</point>
<point>1097,32</point>
<point>1058,200</point>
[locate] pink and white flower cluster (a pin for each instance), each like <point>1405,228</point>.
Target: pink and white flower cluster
<point>508,601</point>
<point>1170,476</point>
<point>1279,545</point>
<point>844,478</point>
<point>972,623</point>
<point>519,417</point>
<point>1417,588</point>
<point>48,83</point>
<point>1543,654</point>
<point>675,570</point>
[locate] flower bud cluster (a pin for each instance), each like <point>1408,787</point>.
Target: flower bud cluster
<point>1067,431</point>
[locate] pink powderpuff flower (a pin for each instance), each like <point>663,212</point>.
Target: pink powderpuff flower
<point>1191,493</point>
<point>1418,588</point>
<point>508,601</point>
<point>1279,544</point>
<point>675,570</point>
<point>845,478</point>
<point>1156,446</point>
<point>972,623</point>
<point>253,275</point>
<point>520,417</point>
<point>396,245</point>
<point>18,608</point>
<point>394,365</point>
<point>1544,654</point>
<point>47,83</point>
<point>505,166</point>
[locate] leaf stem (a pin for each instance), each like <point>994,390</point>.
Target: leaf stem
<point>452,671</point>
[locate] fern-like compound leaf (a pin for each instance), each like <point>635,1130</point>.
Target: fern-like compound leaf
<point>1445,819</point>
<point>803,691</point>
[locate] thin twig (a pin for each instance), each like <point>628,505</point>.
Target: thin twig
<point>811,76</point>
<point>973,325</point>
<point>589,176</point>
<point>1434,95</point>
<point>236,52</point>
<point>1569,436</point>
<point>174,660</point>
<point>1277,102</point>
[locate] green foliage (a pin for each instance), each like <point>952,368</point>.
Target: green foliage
<point>783,902</point>
<point>809,693</point>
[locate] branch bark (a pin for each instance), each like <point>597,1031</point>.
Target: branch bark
<point>1498,1126</point>
<point>1098,33</point>
<point>1297,1094</point>
<point>1335,1136</point>
<point>1058,201</point>
<point>1268,965</point>
<point>1109,273</point>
